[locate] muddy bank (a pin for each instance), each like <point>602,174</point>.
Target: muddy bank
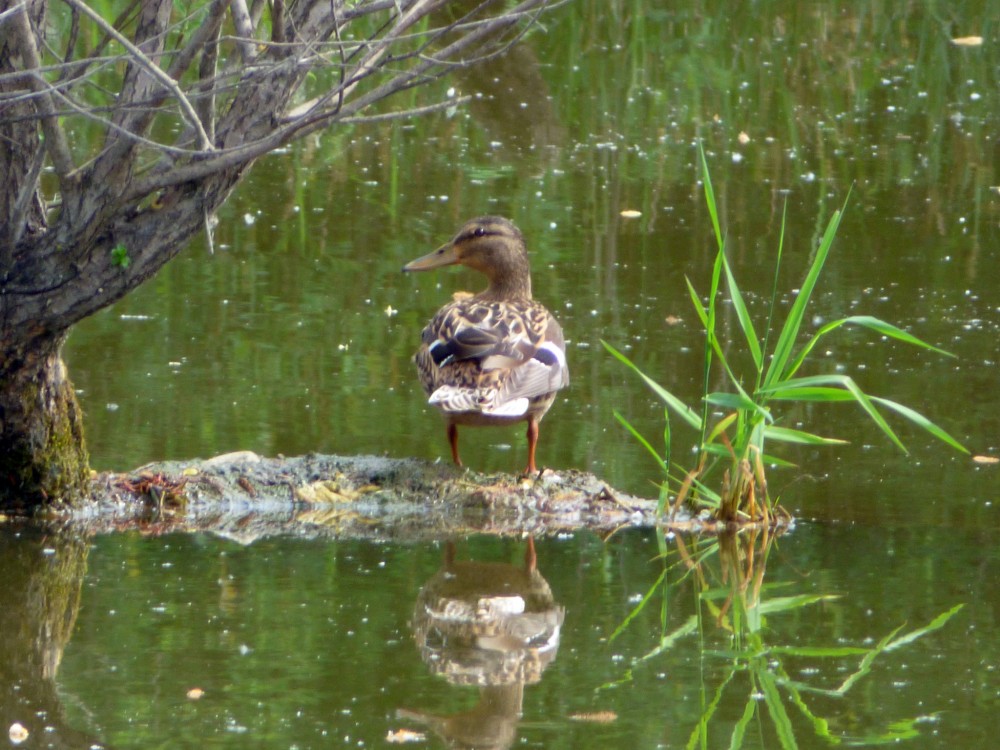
<point>244,496</point>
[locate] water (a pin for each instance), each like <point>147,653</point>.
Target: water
<point>312,644</point>
<point>296,334</point>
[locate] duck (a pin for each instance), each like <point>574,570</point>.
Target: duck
<point>497,357</point>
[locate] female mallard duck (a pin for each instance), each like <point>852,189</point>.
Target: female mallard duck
<point>496,357</point>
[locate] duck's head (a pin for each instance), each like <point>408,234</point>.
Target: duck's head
<point>491,245</point>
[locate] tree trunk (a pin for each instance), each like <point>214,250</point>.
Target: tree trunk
<point>44,460</point>
<point>43,572</point>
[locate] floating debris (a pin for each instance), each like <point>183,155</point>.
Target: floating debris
<point>630,213</point>
<point>195,693</point>
<point>743,138</point>
<point>404,735</point>
<point>597,717</point>
<point>161,490</point>
<point>986,459</point>
<point>17,733</point>
<point>967,41</point>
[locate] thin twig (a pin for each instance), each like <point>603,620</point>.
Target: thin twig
<point>152,68</point>
<point>55,139</point>
<point>26,195</point>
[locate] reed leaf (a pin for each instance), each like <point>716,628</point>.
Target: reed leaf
<point>706,178</point>
<point>642,440</point>
<point>785,603</point>
<point>738,401</point>
<point>789,435</point>
<point>739,731</point>
<point>867,321</point>
<point>775,707</point>
<point>935,624</point>
<point>776,371</point>
<point>678,406</point>
<point>921,421</point>
<point>743,315</point>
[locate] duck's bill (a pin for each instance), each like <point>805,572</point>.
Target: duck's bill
<point>443,256</point>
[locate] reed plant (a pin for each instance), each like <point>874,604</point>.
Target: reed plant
<point>737,445</point>
<point>789,692</point>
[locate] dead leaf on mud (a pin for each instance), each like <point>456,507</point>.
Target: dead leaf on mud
<point>328,491</point>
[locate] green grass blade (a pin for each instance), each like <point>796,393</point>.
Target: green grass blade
<point>696,300</point>
<point>935,624</point>
<point>740,730</point>
<point>711,344</point>
<point>772,307</point>
<point>736,402</point>
<point>668,641</point>
<point>775,707</point>
<point>785,603</point>
<point>866,663</point>
<point>645,443</point>
<point>818,388</point>
<point>921,421</point>
<point>743,315</point>
<point>700,732</point>
<point>638,607</point>
<point>782,393</point>
<point>862,399</point>
<point>706,179</point>
<point>814,652</point>
<point>707,318</point>
<point>866,321</point>
<point>678,406</point>
<point>789,435</point>
<point>776,371</point>
<point>821,727</point>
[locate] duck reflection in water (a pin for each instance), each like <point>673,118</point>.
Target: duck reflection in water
<point>492,625</point>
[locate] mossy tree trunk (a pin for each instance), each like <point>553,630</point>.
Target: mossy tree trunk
<point>43,572</point>
<point>41,429</point>
<point>181,117</point>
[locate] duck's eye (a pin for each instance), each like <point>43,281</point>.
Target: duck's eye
<point>479,232</point>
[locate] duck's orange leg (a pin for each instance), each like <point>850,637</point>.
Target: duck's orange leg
<point>532,442</point>
<point>453,439</point>
<point>530,557</point>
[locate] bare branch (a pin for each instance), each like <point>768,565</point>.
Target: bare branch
<point>8,15</point>
<point>406,114</point>
<point>55,139</point>
<point>278,20</point>
<point>335,105</point>
<point>152,68</point>
<point>201,40</point>
<point>28,193</point>
<point>244,28</point>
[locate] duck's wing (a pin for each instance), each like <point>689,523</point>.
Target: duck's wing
<point>493,357</point>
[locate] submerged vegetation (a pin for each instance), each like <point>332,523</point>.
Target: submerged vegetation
<point>737,443</point>
<point>784,689</point>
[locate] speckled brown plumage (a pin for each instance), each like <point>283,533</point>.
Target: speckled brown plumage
<point>496,357</point>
